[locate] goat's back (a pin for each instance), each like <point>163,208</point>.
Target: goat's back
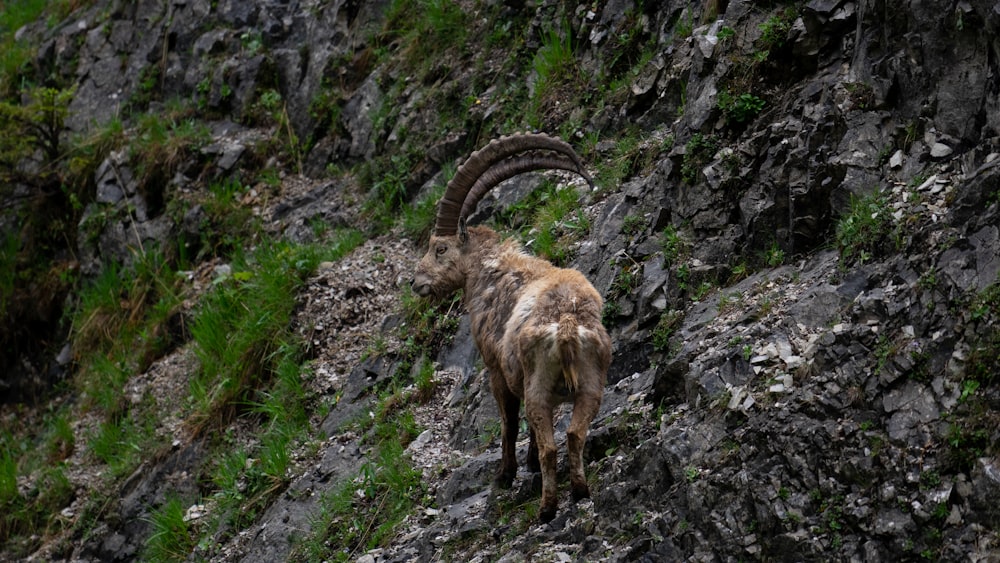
<point>556,316</point>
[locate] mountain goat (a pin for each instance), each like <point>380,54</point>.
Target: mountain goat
<point>537,327</point>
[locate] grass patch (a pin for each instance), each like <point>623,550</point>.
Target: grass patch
<point>241,347</point>
<point>363,512</point>
<point>172,538</point>
<point>674,245</point>
<point>424,31</point>
<point>162,143</point>
<point>557,75</point>
<point>26,517</point>
<point>389,189</point>
<point>549,221</point>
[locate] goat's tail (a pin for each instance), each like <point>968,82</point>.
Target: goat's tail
<point>568,340</point>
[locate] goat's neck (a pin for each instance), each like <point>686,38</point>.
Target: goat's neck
<point>499,266</point>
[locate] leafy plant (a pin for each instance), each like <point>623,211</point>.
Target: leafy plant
<point>774,30</point>
<point>673,244</point>
<point>740,108</point>
<point>774,256</point>
<point>670,321</point>
<point>698,152</point>
<point>865,231</point>
<point>632,225</point>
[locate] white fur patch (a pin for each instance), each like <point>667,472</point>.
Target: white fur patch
<point>523,310</point>
<point>491,264</point>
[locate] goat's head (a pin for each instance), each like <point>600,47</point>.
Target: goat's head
<point>441,271</point>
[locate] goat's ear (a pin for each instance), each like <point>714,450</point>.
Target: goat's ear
<point>463,231</point>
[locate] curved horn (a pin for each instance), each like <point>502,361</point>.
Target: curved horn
<point>496,162</point>
<point>510,168</point>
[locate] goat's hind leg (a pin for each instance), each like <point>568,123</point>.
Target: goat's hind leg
<point>510,408</point>
<point>585,408</point>
<point>539,415</point>
<point>532,461</point>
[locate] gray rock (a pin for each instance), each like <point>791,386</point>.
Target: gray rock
<point>941,150</point>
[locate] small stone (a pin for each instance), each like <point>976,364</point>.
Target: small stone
<point>793,362</point>
<point>194,512</point>
<point>954,517</point>
<point>896,160</point>
<point>940,150</point>
<point>927,183</point>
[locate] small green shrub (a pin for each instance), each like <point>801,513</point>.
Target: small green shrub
<point>774,256</point>
<point>632,225</point>
<point>740,108</point>
<point>774,31</point>
<point>866,230</point>
<point>670,321</point>
<point>673,244</point>
<point>698,152</point>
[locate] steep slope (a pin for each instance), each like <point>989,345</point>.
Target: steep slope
<point>795,229</point>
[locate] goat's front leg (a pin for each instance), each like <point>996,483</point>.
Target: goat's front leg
<point>510,407</point>
<point>539,414</point>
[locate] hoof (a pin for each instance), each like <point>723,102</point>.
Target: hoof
<point>503,481</point>
<point>579,492</point>
<point>546,514</point>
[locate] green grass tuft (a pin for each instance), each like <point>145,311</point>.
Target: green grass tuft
<point>172,538</point>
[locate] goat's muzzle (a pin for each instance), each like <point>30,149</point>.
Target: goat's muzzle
<point>420,286</point>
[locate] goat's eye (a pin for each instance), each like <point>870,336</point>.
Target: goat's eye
<point>441,249</point>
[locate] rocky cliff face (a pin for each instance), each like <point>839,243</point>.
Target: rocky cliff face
<point>796,229</point>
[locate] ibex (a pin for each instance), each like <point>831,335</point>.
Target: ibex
<point>537,327</point>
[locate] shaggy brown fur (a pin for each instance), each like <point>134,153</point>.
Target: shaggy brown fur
<point>538,329</point>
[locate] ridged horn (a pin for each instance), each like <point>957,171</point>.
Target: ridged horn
<point>499,160</point>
